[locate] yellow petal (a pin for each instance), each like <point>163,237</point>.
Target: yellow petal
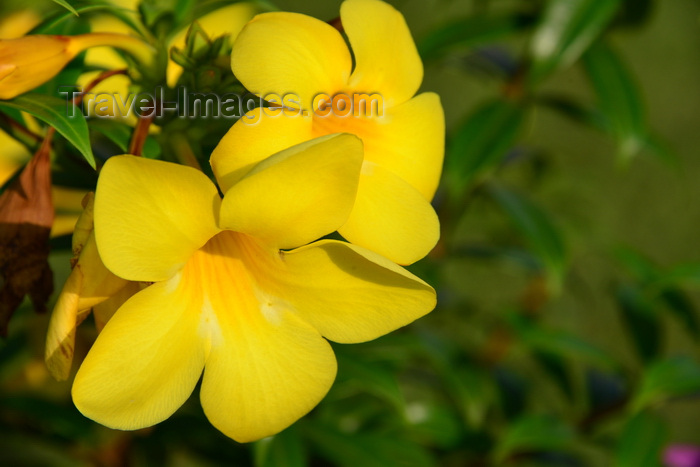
<point>410,142</point>
<point>150,216</point>
<point>103,312</point>
<point>146,362</point>
<point>266,367</point>
<point>60,339</point>
<point>88,284</point>
<point>253,138</point>
<point>350,294</point>
<point>297,195</point>
<point>391,218</point>
<point>386,59</point>
<point>291,53</point>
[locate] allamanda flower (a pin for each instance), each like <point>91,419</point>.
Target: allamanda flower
<point>282,53</point>
<point>229,297</point>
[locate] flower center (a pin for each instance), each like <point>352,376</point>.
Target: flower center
<point>227,279</point>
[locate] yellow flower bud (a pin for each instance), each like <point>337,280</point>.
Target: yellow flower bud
<point>30,61</point>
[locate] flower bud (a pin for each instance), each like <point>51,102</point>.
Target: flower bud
<point>30,61</point>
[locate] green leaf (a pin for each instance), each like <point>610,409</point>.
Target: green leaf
<point>574,111</point>
<point>481,141</point>
<point>634,12</point>
<point>534,433</point>
<point>566,30</point>
<point>282,450</point>
<point>366,449</point>
<point>674,377</point>
<point>535,225</point>
<point>473,390</point>
<point>642,321</point>
<point>471,31</point>
<point>618,98</point>
<point>688,273</point>
<point>558,343</point>
<point>639,266</point>
<point>683,310</point>
<point>52,111</point>
<point>67,6</point>
<point>641,442</point>
<point>57,23</point>
<point>120,134</point>
<point>371,378</point>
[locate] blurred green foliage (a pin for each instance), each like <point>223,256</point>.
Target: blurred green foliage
<point>566,332</point>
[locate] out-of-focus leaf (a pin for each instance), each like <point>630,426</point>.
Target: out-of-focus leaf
<point>22,450</point>
<point>366,449</point>
<point>282,450</point>
<point>121,133</point>
<point>536,226</point>
<point>573,110</point>
<point>534,433</point>
<point>555,366</point>
<point>434,424</point>
<point>374,379</point>
<point>558,343</point>
<point>682,274</point>
<point>55,418</point>
<point>674,377</point>
<point>481,141</point>
<point>513,392</point>
<point>52,111</point>
<point>642,321</point>
<point>473,390</point>
<point>67,6</point>
<point>618,98</point>
<point>638,265</point>
<point>566,30</point>
<point>683,309</point>
<point>471,31</point>
<point>634,12</point>
<point>642,439</point>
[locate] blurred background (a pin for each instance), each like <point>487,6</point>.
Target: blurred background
<point>568,273</point>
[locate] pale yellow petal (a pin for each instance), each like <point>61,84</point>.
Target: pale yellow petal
<point>350,294</point>
<point>88,284</point>
<point>147,360</point>
<point>150,216</point>
<point>284,53</point>
<point>391,218</point>
<point>60,339</point>
<point>298,195</point>
<point>255,137</point>
<point>386,58</point>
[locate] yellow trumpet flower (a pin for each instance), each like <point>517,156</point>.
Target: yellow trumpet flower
<point>30,61</point>
<point>238,291</point>
<point>280,54</point>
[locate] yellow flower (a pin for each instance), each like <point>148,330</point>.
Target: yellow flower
<point>229,298</point>
<point>281,53</point>
<point>88,287</point>
<point>30,61</point>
